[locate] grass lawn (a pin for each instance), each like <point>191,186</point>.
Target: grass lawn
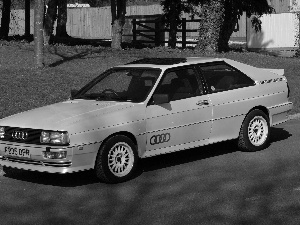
<point>69,68</point>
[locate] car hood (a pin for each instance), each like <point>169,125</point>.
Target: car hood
<point>74,113</point>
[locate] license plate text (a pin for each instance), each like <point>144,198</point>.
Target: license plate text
<point>14,151</point>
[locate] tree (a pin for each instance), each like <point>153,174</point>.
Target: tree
<point>219,18</point>
<point>118,11</point>
<point>38,33</point>
<point>61,28</point>
<point>5,20</point>
<point>57,10</point>
<point>211,21</point>
<point>172,12</point>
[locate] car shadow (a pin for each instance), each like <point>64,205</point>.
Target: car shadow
<point>189,155</point>
<point>62,180</point>
<point>148,164</point>
<point>204,152</point>
<point>279,134</point>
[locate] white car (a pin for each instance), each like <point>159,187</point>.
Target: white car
<point>145,108</point>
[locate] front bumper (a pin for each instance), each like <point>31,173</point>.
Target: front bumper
<point>36,161</point>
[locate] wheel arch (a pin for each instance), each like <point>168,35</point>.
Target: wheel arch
<point>125,133</point>
<point>261,108</point>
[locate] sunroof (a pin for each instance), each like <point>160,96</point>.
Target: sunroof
<point>159,61</point>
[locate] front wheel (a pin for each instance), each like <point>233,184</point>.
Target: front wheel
<point>116,160</point>
<point>255,132</point>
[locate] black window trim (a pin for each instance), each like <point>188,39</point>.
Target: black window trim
<point>172,69</point>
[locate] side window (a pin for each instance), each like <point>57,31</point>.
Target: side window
<point>180,84</point>
<point>221,77</point>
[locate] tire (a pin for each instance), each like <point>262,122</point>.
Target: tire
<point>255,132</point>
<point>117,160</point>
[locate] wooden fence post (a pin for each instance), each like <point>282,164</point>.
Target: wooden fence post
<point>183,34</point>
<point>27,18</point>
<point>134,31</point>
<point>157,32</point>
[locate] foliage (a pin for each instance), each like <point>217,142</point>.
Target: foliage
<point>295,7</point>
<point>211,20</point>
<point>229,17</point>
<point>176,7</point>
<point>20,4</point>
<point>172,13</point>
<point>218,18</point>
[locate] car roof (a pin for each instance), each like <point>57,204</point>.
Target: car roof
<point>255,73</point>
<point>165,63</point>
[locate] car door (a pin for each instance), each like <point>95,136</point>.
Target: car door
<point>231,93</point>
<point>182,122</point>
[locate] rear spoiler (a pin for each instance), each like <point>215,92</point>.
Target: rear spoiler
<point>279,72</point>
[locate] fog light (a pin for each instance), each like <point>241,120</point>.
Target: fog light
<point>2,132</point>
<point>55,155</point>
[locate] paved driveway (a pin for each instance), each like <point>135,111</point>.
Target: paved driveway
<point>209,185</point>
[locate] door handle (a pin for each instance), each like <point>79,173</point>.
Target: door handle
<point>202,102</point>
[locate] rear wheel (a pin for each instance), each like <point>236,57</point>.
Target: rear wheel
<point>116,160</point>
<point>255,132</point>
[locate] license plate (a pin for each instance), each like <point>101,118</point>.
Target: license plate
<point>19,152</point>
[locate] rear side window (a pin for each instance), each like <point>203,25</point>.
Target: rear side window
<point>222,77</point>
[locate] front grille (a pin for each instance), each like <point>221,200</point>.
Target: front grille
<point>35,162</point>
<point>22,135</point>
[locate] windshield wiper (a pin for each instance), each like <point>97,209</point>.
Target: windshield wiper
<point>110,97</point>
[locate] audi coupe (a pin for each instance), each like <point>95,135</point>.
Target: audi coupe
<point>148,107</point>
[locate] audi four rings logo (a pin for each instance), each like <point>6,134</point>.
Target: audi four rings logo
<point>160,138</point>
<point>19,135</point>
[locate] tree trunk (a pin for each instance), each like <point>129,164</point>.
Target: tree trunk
<point>38,33</point>
<point>5,20</point>
<point>173,24</point>
<point>116,39</point>
<point>49,20</point>
<point>118,11</point>
<point>227,28</point>
<point>212,18</point>
<point>61,28</point>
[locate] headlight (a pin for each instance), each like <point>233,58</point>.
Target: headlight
<point>2,132</point>
<point>55,137</point>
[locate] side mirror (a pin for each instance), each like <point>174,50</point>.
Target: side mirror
<point>160,99</point>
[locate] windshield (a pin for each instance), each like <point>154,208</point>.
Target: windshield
<point>121,84</point>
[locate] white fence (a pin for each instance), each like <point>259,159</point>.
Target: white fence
<point>96,22</point>
<point>278,31</point>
